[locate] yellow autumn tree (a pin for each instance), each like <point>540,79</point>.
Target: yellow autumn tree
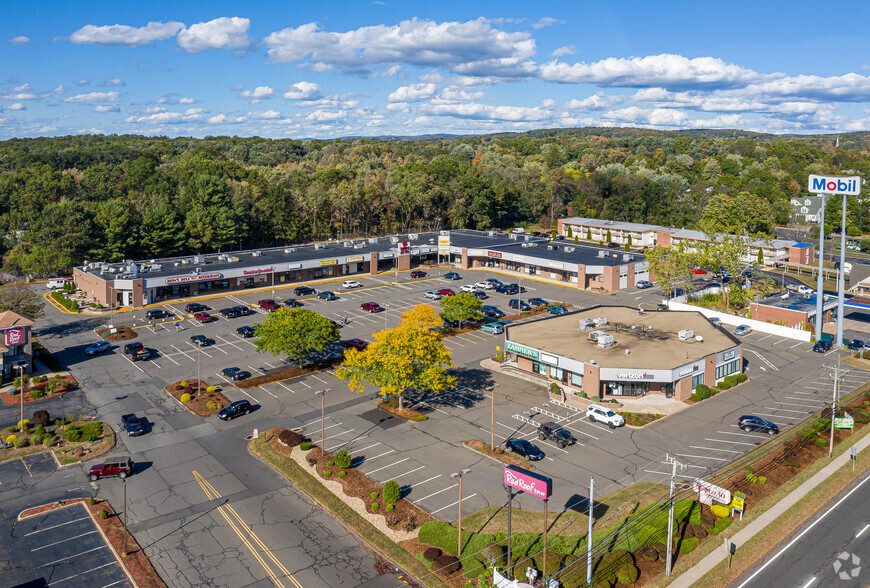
<point>423,316</point>
<point>410,356</point>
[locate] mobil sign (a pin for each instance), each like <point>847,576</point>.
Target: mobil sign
<point>850,185</point>
<point>528,482</point>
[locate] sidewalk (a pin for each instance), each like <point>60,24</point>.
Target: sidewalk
<point>694,574</point>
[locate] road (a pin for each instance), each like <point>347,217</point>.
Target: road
<point>830,549</point>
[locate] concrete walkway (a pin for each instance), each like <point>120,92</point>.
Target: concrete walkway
<point>694,574</point>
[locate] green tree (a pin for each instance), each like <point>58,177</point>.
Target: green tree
<point>608,238</point>
<point>669,266</point>
<point>760,258</point>
<point>628,243</point>
<point>295,332</point>
<point>725,253</point>
<point>462,307</point>
<point>19,297</point>
<point>588,234</point>
<point>568,233</point>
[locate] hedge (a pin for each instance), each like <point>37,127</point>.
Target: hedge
<point>723,385</point>
<point>741,377</point>
<point>701,390</point>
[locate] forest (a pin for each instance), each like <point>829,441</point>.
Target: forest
<point>65,200</point>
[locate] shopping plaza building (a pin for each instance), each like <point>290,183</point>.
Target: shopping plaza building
<point>617,351</point>
<point>138,283</point>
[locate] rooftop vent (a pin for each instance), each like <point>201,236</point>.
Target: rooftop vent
<point>586,324</point>
<point>394,240</point>
<point>198,258</point>
<point>699,339</point>
<point>185,261</point>
<point>347,244</point>
<point>602,253</point>
<point>512,236</point>
<point>570,249</point>
<point>491,233</point>
<point>685,334</point>
<point>627,256</point>
<point>222,256</point>
<point>361,245</point>
<point>373,240</point>
<point>600,321</point>
<point>319,246</point>
<point>604,341</point>
<point>413,236</point>
<point>232,259</point>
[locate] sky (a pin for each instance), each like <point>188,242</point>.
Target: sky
<point>339,69</point>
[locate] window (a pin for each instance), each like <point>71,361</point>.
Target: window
<point>557,374</point>
<point>726,369</point>
<point>577,380</point>
<point>697,380</point>
<point>539,368</point>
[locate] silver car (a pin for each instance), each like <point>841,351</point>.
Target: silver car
<point>743,330</point>
<point>433,295</point>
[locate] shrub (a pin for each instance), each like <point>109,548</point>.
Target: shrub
<point>343,459</point>
<point>25,424</point>
<point>392,492</point>
<point>184,383</point>
<point>10,439</point>
<point>861,416</point>
<point>74,306</point>
<point>493,554</point>
<point>211,389</point>
<point>723,385</point>
<point>305,446</point>
<point>650,554</point>
<point>751,478</point>
<point>447,564</point>
<point>392,520</point>
<point>720,510</point>
<point>212,405</point>
<point>330,463</point>
<point>40,417</point>
<point>822,442</point>
<point>732,381</point>
<point>762,480</point>
<point>701,389</point>
<point>696,397</point>
<point>92,501</point>
<point>48,440</point>
<point>39,430</point>
<point>688,532</point>
<point>22,442</point>
<point>342,474</point>
<point>391,507</point>
<point>688,545</point>
<point>749,469</point>
<point>104,514</point>
<point>420,418</point>
<point>822,424</point>
<point>38,379</point>
<point>34,394</point>
<point>582,394</point>
<point>185,397</point>
<point>327,473</point>
<point>741,378</point>
<point>714,390</point>
<point>374,495</point>
<point>73,435</point>
<point>699,531</point>
<point>375,506</point>
<point>554,388</point>
<point>595,399</point>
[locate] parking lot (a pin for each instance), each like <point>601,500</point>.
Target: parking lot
<point>62,548</point>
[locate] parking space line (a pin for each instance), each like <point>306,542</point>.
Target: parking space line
<point>667,474</point>
<point>406,473</point>
<point>779,416</point>
<point>63,541</point>
<point>221,376</point>
<point>75,556</point>
<point>712,449</point>
<point>387,466</point>
<point>741,434</point>
<point>702,457</point>
<point>454,504</point>
<point>368,446</point>
<point>304,384</point>
<point>219,348</point>
<point>730,441</point>
<point>114,583</point>
<point>424,481</point>
<point>381,455</point>
<point>133,363</point>
<point>55,526</point>
<point>788,409</point>
<point>796,344</point>
<point>111,563</point>
<point>231,343</point>
<point>200,351</point>
<point>436,493</point>
<point>319,379</point>
<point>346,443</point>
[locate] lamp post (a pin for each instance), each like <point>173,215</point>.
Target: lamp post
<point>273,280</point>
<point>198,357</point>
<point>459,475</point>
<point>322,394</point>
<point>124,552</point>
<point>21,392</point>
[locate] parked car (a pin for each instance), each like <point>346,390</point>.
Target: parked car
<point>243,310</point>
<point>855,344</point>
<point>140,354</point>
<point>494,281</point>
<point>487,285</point>
<point>326,295</point>
<point>559,435</point>
<point>468,288</point>
<point>503,323</point>
<point>246,332</point>
<point>494,328</point>
<point>371,306</point>
<point>677,292</point>
<point>356,344</point>
<point>292,303</point>
<point>519,304</point>
<point>717,322</point>
<point>235,373</point>
<point>98,347</point>
<point>742,330</point>
<point>157,313</point>
<point>557,310</point>
<point>418,274</point>
<point>612,245</point>
<point>234,409</point>
<point>823,346</point>
<point>131,347</point>
<point>231,312</point>
<point>699,271</point>
<point>560,237</point>
<point>805,290</point>
<point>479,294</point>
<point>601,414</point>
<point>491,311</point>
<point>268,304</point>
<point>203,317</point>
<point>433,295</point>
<point>446,292</point>
<point>452,276</point>
<point>524,448</point>
<point>116,466</point>
<point>506,289</point>
<point>192,307</point>
<point>537,302</point>
<point>643,284</point>
<point>303,290</point>
<point>132,424</point>
<point>350,284</point>
<point>751,423</point>
<point>201,340</point>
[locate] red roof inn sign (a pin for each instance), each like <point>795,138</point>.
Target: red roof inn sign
<point>528,482</point>
<point>850,185</point>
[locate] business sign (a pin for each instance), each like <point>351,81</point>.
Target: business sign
<point>737,503</point>
<point>850,185</point>
<point>845,422</point>
<point>193,277</point>
<point>328,262</point>
<point>633,375</point>
<point>444,244</point>
<point>520,350</point>
<point>354,258</point>
<point>728,355</point>
<point>556,264</point>
<point>551,359</point>
<point>707,492</point>
<point>493,254</point>
<point>688,370</point>
<point>260,270</point>
<point>15,336</point>
<point>528,482</point>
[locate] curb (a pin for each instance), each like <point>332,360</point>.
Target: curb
<point>109,543</point>
<point>498,461</point>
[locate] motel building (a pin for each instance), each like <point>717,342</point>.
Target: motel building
<point>617,352</point>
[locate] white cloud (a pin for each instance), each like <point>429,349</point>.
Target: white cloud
<point>20,40</point>
<point>194,112</point>
<point>113,82</point>
<point>80,81</point>
<point>398,107</point>
<point>153,109</point>
<point>186,101</point>
<point>94,97</point>
<point>412,93</point>
<point>124,35</point>
<point>257,94</point>
<point>599,101</point>
<point>487,112</point>
<point>564,50</point>
<point>106,108</point>
<point>473,45</point>
<point>220,33</point>
<point>265,115</point>
<point>546,22</point>
<point>224,119</point>
<point>303,91</point>
<point>325,115</point>
<point>17,106</point>
<point>159,118</point>
<point>451,94</point>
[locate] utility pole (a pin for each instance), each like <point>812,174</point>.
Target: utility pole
<point>589,534</point>
<point>674,464</point>
<point>837,377</point>
<point>820,283</point>
<point>124,552</point>
<point>459,475</point>
<point>198,357</point>
<point>841,278</point>
<point>21,393</point>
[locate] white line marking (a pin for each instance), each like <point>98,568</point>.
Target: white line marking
<point>811,580</point>
<point>434,493</point>
<point>74,556</point>
<point>406,473</point>
<point>368,447</point>
<point>729,441</point>
<point>703,457</point>
<point>387,466</point>
<point>381,455</point>
<point>861,532</point>
<point>424,481</point>
<point>54,526</point>
<point>63,540</point>
<point>454,504</point>
<point>712,449</point>
<point>111,563</point>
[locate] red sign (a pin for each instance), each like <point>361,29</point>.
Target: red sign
<point>262,270</point>
<point>15,336</point>
<point>193,278</point>
<point>707,493</point>
<point>493,254</point>
<point>528,482</point>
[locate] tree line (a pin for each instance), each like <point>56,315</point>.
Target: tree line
<point>66,200</point>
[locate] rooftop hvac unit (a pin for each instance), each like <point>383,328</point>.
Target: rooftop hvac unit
<point>156,267</point>
<point>586,324</point>
<point>185,261</point>
<point>699,339</point>
<point>359,245</point>
<point>527,237</point>
<point>413,236</point>
<point>197,259</point>
<point>319,246</point>
<point>593,336</point>
<point>602,253</point>
<point>600,321</point>
<point>685,334</point>
<point>512,236</point>
<point>394,240</point>
<point>604,341</point>
<point>233,259</point>
<point>222,256</point>
<point>550,247</point>
<point>491,233</point>
<point>373,239</point>
<point>347,244</point>
<point>570,249</point>
<point>626,256</point>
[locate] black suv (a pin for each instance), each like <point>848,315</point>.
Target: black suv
<point>195,307</point>
<point>157,314</point>
<point>246,331</point>
<point>519,304</point>
<point>131,347</point>
<point>303,290</point>
<point>823,346</point>
<point>230,312</point>
<point>556,434</point>
<point>234,409</point>
<point>753,423</point>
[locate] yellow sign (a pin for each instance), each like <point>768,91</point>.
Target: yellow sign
<point>328,262</point>
<point>737,503</point>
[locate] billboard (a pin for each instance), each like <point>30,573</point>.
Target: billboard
<point>444,244</point>
<point>528,482</point>
<point>850,185</point>
<point>707,492</point>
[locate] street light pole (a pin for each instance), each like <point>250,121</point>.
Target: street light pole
<point>322,394</point>
<point>674,463</point>
<point>459,475</point>
<point>21,393</point>
<point>273,280</point>
<point>124,552</point>
<point>198,357</point>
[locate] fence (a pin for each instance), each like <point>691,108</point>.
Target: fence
<point>734,320</point>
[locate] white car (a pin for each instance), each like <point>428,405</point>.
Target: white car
<point>806,290</point>
<point>608,416</point>
<point>351,284</point>
<point>468,288</point>
<point>484,285</point>
<point>433,295</point>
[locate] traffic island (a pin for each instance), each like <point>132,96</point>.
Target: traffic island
<point>119,333</point>
<point>391,405</point>
<point>75,441</point>
<point>288,373</point>
<point>39,388</point>
<point>498,454</point>
<point>198,397</point>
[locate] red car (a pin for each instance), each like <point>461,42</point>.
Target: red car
<point>699,271</point>
<point>203,317</point>
<point>268,304</point>
<point>371,306</point>
<point>418,274</point>
<point>356,344</point>
<point>446,292</point>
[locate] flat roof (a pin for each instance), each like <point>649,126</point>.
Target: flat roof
<point>567,252</point>
<point>797,302</point>
<point>658,348</point>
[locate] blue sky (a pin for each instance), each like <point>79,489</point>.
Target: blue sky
<point>333,69</point>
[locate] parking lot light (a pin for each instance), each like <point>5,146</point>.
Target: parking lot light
<point>459,475</point>
<point>322,394</point>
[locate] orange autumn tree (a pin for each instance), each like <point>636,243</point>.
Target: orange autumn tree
<point>412,355</point>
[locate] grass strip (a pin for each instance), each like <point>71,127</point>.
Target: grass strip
<point>349,517</point>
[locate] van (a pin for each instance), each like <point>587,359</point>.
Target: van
<point>56,283</point>
<point>518,231</point>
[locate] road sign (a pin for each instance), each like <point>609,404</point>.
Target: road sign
<point>737,503</point>
<point>845,422</point>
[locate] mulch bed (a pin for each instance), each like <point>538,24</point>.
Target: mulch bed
<point>16,398</point>
<point>498,453</point>
<point>414,546</point>
<point>639,419</point>
<point>124,333</point>
<point>136,562</point>
<point>198,403</point>
<point>405,413</point>
<point>288,373</point>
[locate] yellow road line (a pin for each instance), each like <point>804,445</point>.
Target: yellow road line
<point>212,494</point>
<point>56,304</point>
